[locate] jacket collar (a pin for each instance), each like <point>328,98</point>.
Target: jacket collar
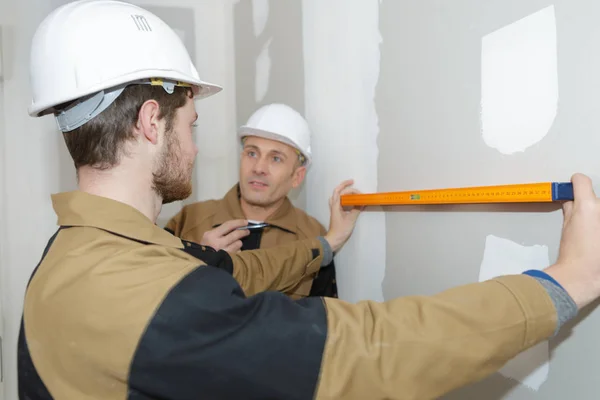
<point>284,217</point>
<point>78,208</point>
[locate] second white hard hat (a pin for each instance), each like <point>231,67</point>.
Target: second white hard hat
<point>282,123</point>
<point>92,49</point>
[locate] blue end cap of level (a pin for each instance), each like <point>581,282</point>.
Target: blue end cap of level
<point>562,191</point>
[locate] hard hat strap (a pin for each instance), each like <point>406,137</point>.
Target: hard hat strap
<point>301,157</point>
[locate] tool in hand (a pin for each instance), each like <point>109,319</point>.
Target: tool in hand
<point>254,226</point>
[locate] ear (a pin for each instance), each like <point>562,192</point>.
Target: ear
<point>148,123</point>
<point>298,176</point>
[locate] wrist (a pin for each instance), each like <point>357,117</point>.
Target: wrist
<point>580,291</point>
<point>333,243</point>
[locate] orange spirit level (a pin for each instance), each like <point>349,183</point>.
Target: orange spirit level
<point>543,192</point>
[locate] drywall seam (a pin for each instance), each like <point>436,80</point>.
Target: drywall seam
<point>505,257</point>
<point>260,15</point>
<point>263,72</point>
<point>341,64</point>
<point>519,82</point>
<point>3,217</point>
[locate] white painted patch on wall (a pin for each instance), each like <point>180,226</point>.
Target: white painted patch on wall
<point>502,257</point>
<point>263,72</point>
<point>341,67</point>
<point>260,15</point>
<point>519,82</point>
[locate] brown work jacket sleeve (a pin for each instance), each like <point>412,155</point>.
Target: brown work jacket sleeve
<point>208,339</point>
<point>277,268</point>
<point>423,347</point>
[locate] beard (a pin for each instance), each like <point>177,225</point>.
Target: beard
<point>172,181</point>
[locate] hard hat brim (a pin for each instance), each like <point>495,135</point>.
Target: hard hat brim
<point>206,89</point>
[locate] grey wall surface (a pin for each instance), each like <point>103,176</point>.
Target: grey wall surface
<point>428,103</point>
<point>429,108</point>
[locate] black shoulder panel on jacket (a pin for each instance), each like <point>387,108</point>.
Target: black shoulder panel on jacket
<point>30,385</point>
<point>207,340</point>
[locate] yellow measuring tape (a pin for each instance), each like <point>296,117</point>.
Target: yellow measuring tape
<point>543,192</point>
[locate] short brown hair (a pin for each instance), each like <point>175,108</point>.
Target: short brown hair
<point>100,142</point>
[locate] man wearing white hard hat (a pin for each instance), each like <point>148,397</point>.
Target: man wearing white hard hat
<point>275,156</point>
<point>118,308</point>
<point>115,296</point>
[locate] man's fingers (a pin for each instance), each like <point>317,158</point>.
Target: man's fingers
<point>337,192</point>
<point>230,225</point>
<point>236,235</point>
<point>567,209</point>
<point>234,247</point>
<point>582,188</point>
<point>339,188</point>
<point>334,200</point>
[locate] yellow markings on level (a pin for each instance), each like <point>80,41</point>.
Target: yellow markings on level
<point>520,193</point>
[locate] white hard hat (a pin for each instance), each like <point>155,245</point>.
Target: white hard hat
<point>282,123</point>
<point>92,49</point>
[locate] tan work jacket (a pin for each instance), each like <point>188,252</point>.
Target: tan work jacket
<point>286,225</point>
<point>118,308</point>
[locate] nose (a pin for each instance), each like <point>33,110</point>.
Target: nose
<point>260,166</point>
